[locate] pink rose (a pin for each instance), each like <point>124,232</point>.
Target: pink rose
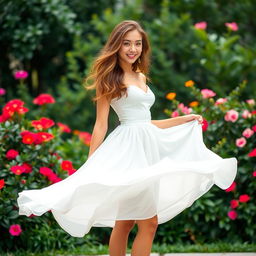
<point>21,74</point>
<point>184,109</point>
<point>254,174</point>
<point>220,101</point>
<point>240,142</point>
<point>15,230</point>
<point>246,114</point>
<point>207,93</point>
<point>250,102</point>
<point>248,133</point>
<point>232,214</point>
<point>2,91</point>
<point>232,26</point>
<point>175,113</point>
<point>201,25</point>
<point>231,116</point>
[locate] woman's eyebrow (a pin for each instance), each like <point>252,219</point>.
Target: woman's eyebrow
<point>130,40</point>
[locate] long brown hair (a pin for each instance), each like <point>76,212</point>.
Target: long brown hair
<point>106,74</point>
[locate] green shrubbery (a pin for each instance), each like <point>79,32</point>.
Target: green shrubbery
<point>33,155</point>
<point>229,130</point>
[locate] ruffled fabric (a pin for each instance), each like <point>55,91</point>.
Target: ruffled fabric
<point>139,171</point>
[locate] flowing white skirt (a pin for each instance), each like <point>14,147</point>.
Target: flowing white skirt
<point>138,171</point>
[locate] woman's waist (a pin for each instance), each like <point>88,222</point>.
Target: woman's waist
<point>135,121</point>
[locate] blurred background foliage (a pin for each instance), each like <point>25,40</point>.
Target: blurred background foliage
<point>56,41</point>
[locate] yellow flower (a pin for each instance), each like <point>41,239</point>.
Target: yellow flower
<point>194,104</point>
<point>171,95</point>
<point>189,83</point>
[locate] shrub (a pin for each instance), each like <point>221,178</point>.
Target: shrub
<point>33,155</point>
<point>229,130</point>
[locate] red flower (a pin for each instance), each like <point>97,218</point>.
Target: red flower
<point>43,99</point>
<point>4,117</point>
<point>27,137</point>
<point>66,165</point>
<point>44,136</point>
<point>234,203</point>
<point>232,187</point>
<point>253,112</point>
<point>232,214</point>
<point>54,178</point>
<point>27,167</point>
<point>11,154</point>
<point>17,169</point>
<point>36,138</point>
<point>15,230</point>
<point>254,128</point>
<point>244,198</point>
<point>71,171</point>
<point>252,153</point>
<point>23,181</point>
<point>205,125</point>
<point>45,171</point>
<point>22,110</point>
<point>49,174</point>
<point>42,123</point>
<point>2,183</point>
<point>254,174</point>
<point>64,127</point>
<point>85,137</point>
<point>13,106</point>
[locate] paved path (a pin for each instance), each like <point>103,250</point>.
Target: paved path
<point>197,254</point>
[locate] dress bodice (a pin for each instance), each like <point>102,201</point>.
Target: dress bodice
<point>135,107</point>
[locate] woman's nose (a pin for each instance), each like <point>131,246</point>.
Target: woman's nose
<point>132,47</point>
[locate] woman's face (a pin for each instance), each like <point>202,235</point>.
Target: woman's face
<point>131,47</point>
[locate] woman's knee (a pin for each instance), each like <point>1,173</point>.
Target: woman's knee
<point>124,225</point>
<point>148,225</point>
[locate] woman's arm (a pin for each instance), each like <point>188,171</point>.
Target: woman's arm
<point>166,123</point>
<point>101,124</point>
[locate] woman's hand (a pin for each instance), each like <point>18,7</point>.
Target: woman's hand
<point>192,117</point>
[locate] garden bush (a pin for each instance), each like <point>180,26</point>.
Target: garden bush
<point>229,130</point>
<point>35,154</point>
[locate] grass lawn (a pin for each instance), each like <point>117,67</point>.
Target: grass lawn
<point>164,248</point>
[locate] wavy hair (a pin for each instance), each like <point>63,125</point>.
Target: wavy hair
<point>106,74</point>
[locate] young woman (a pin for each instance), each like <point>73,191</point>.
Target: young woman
<point>146,171</point>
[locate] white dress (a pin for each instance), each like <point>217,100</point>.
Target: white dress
<point>137,172</point>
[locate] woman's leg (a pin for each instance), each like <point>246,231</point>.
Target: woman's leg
<point>144,239</point>
<point>119,237</point>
